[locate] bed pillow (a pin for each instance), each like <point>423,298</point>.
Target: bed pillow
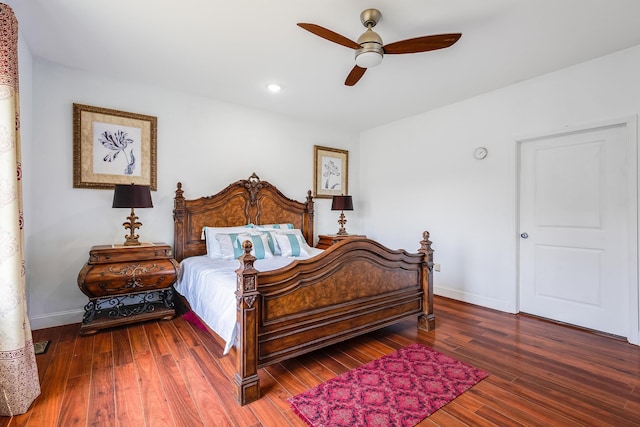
<point>213,247</point>
<point>297,232</point>
<point>261,248</point>
<point>283,226</point>
<point>229,246</point>
<point>271,239</point>
<point>291,244</point>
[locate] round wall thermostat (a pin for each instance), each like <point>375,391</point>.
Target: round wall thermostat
<point>480,153</point>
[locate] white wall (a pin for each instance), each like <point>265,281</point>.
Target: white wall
<point>431,181</point>
<point>203,143</point>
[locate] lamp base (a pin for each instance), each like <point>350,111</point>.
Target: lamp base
<point>132,242</point>
<point>132,225</point>
<point>342,221</point>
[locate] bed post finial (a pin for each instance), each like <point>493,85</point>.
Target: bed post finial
<point>247,312</point>
<point>427,319</point>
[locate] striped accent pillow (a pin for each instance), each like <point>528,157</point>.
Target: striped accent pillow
<point>213,246</point>
<point>291,244</point>
<point>261,248</point>
<point>229,246</point>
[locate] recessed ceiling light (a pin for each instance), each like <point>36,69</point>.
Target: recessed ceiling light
<point>273,87</point>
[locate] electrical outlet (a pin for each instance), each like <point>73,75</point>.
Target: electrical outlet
<point>436,266</point>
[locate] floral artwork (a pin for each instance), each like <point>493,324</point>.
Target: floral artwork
<point>117,150</point>
<point>118,143</point>
<point>331,171</point>
<point>113,147</point>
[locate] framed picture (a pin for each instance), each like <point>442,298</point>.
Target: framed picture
<point>113,147</point>
<point>331,172</point>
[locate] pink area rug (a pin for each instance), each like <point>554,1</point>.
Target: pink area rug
<point>400,389</point>
<point>191,317</point>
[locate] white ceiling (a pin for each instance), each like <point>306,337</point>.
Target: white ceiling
<point>230,50</point>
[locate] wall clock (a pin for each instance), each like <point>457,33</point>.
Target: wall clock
<point>480,153</point>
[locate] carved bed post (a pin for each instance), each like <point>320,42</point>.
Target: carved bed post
<point>247,295</point>
<point>427,320</point>
<point>308,226</point>
<point>178,220</point>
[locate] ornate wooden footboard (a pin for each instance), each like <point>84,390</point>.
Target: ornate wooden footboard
<point>354,287</point>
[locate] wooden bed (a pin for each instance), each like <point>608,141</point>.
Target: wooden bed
<point>355,286</point>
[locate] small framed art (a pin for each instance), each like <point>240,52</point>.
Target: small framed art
<point>113,147</point>
<point>331,172</point>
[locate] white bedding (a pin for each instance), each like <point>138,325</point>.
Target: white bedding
<point>209,286</point>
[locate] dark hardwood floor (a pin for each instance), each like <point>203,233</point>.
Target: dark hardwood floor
<point>166,373</point>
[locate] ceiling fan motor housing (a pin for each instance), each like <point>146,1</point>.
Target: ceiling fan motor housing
<point>371,52</point>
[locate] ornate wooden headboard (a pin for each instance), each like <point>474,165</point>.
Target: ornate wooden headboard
<point>248,201</point>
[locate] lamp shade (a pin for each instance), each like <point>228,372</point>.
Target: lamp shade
<point>342,203</point>
<point>132,196</point>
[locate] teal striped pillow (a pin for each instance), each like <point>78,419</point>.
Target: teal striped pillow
<point>261,248</point>
<point>229,246</point>
<point>291,244</point>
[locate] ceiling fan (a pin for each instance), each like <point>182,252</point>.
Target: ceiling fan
<point>370,49</point>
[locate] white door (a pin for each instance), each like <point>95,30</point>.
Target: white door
<point>576,228</point>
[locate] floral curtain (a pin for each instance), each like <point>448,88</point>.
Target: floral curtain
<point>19,383</point>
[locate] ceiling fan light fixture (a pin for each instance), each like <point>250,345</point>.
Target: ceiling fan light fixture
<point>369,56</point>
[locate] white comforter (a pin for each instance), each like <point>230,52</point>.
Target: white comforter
<point>209,286</point>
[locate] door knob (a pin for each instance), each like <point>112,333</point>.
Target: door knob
<point>524,235</point>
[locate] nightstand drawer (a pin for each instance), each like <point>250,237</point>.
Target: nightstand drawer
<point>108,254</point>
<point>99,280</point>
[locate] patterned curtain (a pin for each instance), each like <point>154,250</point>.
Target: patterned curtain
<point>19,384</point>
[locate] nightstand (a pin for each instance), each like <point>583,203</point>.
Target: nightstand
<point>326,240</point>
<point>127,284</point>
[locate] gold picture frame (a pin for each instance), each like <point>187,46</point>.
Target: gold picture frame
<point>331,172</point>
<point>113,147</point>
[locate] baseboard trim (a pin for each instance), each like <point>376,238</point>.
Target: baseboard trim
<point>60,318</point>
<point>501,305</point>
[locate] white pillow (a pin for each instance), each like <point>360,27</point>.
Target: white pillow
<point>230,247</point>
<point>292,244</point>
<point>261,248</point>
<point>213,247</point>
<point>273,243</point>
<point>297,232</point>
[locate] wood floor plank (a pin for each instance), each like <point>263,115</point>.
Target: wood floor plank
<point>102,405</point>
<point>157,341</point>
<point>176,345</point>
<point>46,408</point>
<point>82,359</point>
<point>156,412</point>
<point>210,407</point>
<point>278,395</point>
<point>122,354</point>
<point>128,395</point>
<point>75,403</point>
<point>187,333</point>
<point>240,415</point>
<point>138,339</point>
<point>102,342</point>
<point>179,400</point>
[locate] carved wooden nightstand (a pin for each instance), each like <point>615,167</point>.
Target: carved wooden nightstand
<point>326,240</point>
<point>127,284</point>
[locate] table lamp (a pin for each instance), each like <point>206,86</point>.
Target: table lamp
<point>132,196</point>
<point>342,203</point>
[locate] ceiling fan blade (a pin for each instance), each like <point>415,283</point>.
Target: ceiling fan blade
<point>422,44</point>
<point>329,35</point>
<point>355,75</point>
